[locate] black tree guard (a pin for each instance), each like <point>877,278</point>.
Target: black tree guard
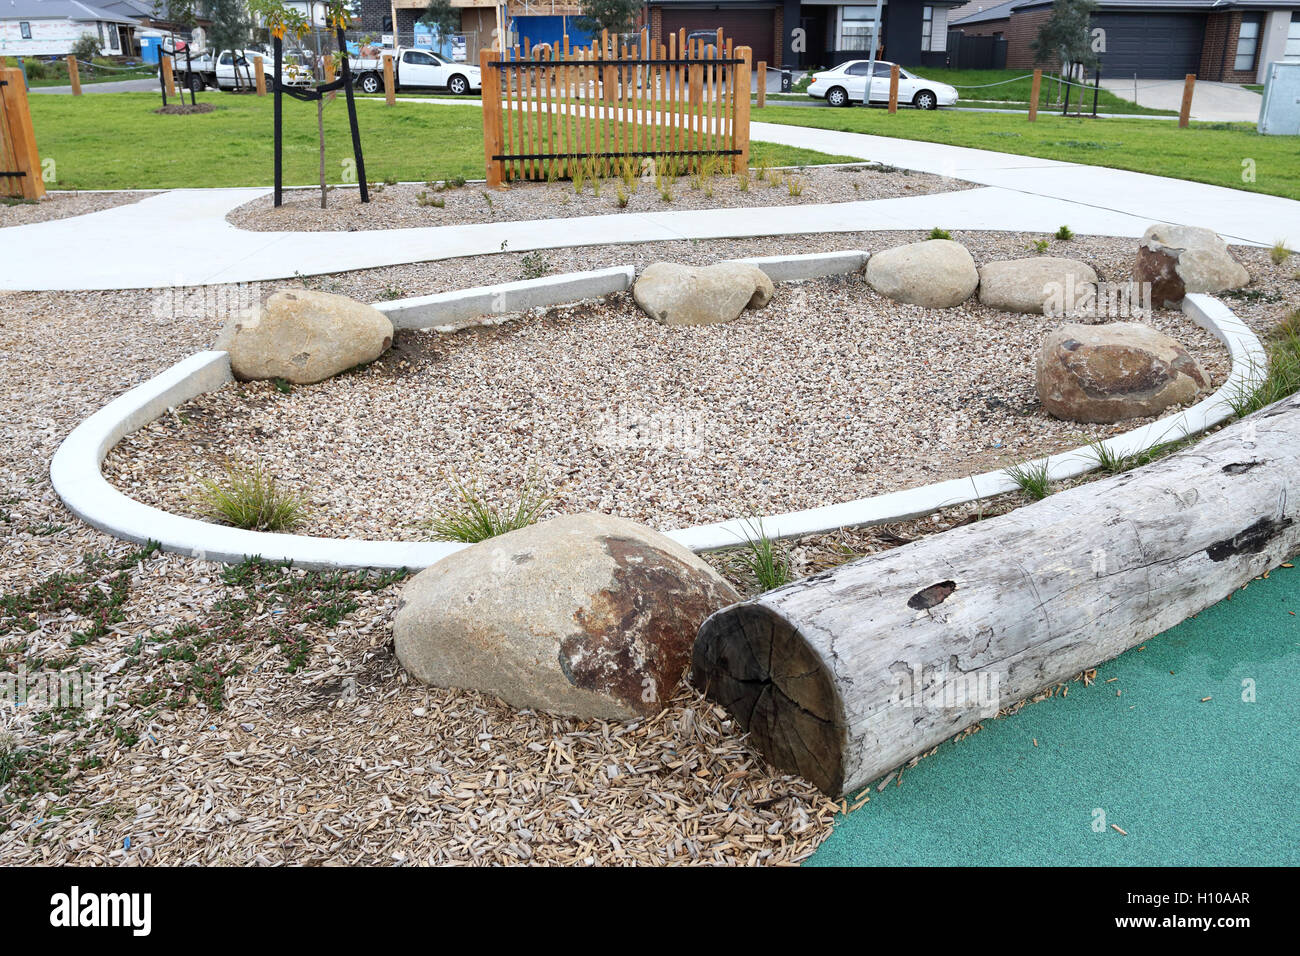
<point>344,82</point>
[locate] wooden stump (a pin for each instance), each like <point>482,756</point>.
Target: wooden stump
<point>848,674</point>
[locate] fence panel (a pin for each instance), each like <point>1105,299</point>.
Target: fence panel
<point>555,110</point>
<point>20,166</point>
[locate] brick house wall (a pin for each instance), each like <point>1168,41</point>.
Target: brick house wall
<point>656,24</point>
<point>989,28</point>
<point>1020,31</point>
<point>1220,49</point>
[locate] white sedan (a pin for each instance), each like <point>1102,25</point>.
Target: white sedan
<point>846,83</point>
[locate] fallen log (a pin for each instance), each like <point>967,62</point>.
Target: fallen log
<point>848,674</point>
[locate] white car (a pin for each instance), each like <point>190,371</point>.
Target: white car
<point>846,83</point>
<point>417,68</point>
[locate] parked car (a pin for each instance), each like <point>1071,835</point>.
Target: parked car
<point>232,69</point>
<point>847,82</point>
<point>417,68</point>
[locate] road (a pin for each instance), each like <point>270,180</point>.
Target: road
<point>146,85</point>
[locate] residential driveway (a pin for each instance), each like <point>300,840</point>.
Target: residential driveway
<point>115,86</point>
<point>1214,102</point>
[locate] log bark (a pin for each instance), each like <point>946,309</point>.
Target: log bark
<point>848,674</point>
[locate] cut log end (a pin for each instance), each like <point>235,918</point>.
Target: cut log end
<point>755,664</point>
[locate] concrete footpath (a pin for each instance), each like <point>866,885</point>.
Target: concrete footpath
<point>129,246</point>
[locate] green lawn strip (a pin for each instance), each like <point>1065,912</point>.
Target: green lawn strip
<point>1204,152</point>
<point>231,146</point>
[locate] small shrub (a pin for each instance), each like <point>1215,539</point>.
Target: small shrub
<point>475,520</point>
<point>795,186</point>
<point>1032,478</point>
<point>765,559</point>
<point>390,181</point>
<point>1040,245</point>
<point>937,233</point>
<point>578,174</point>
<point>535,265</point>
<point>1065,234</point>
<point>423,198</point>
<point>622,197</point>
<point>487,198</point>
<point>742,181</point>
<point>666,192</point>
<point>248,496</point>
<point>1279,253</point>
<point>1282,376</point>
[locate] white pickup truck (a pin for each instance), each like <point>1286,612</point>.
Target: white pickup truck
<point>233,69</point>
<point>416,69</point>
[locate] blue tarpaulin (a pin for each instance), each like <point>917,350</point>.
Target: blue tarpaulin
<point>549,29</point>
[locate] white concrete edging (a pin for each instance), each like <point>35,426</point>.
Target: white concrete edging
<point>76,476</point>
<point>451,310</point>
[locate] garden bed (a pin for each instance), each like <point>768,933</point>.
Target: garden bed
<point>831,393</point>
<point>60,205</point>
<point>399,206</point>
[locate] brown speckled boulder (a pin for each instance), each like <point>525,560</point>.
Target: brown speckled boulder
<point>1181,259</point>
<point>588,615</point>
<point>1107,373</point>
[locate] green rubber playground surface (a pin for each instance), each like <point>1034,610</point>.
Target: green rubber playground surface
<point>1191,781</point>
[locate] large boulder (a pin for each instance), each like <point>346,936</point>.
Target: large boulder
<point>304,337</point>
<point>1181,259</point>
<point>675,294</point>
<point>1042,283</point>
<point>936,273</point>
<point>1106,373</point>
<point>588,615</point>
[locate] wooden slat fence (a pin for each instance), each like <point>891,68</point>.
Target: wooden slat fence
<point>550,112</point>
<point>20,166</point>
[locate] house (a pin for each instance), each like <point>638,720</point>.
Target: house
<point>1227,40</point>
<point>51,27</point>
<point>815,33</point>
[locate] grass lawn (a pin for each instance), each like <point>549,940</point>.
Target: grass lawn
<point>1204,152</point>
<point>116,141</point>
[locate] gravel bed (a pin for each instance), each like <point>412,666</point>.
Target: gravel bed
<point>398,207</point>
<point>291,770</point>
<point>64,206</point>
<point>829,394</point>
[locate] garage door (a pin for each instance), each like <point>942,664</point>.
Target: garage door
<point>1151,45</point>
<point>751,27</point>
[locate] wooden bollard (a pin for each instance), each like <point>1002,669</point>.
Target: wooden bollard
<point>893,88</point>
<point>261,75</point>
<point>74,75</point>
<point>169,78</point>
<point>390,87</point>
<point>1034,88</point>
<point>761,72</point>
<point>1189,85</point>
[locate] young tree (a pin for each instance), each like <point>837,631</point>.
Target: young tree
<point>1066,36</point>
<point>231,27</point>
<point>443,17</point>
<point>616,16</point>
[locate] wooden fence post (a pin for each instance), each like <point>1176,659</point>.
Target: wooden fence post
<point>74,75</point>
<point>761,70</point>
<point>1189,85</point>
<point>741,164</point>
<point>18,140</point>
<point>491,117</point>
<point>893,88</point>
<point>261,75</point>
<point>169,77</point>
<point>1034,88</point>
<point>390,87</point>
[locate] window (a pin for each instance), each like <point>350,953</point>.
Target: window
<point>856,27</point>
<point>1247,44</point>
<point>25,29</point>
<point>1293,38</point>
<point>927,23</point>
<point>416,58</point>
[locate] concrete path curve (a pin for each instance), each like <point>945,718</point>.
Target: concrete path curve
<point>1213,102</point>
<point>130,247</point>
